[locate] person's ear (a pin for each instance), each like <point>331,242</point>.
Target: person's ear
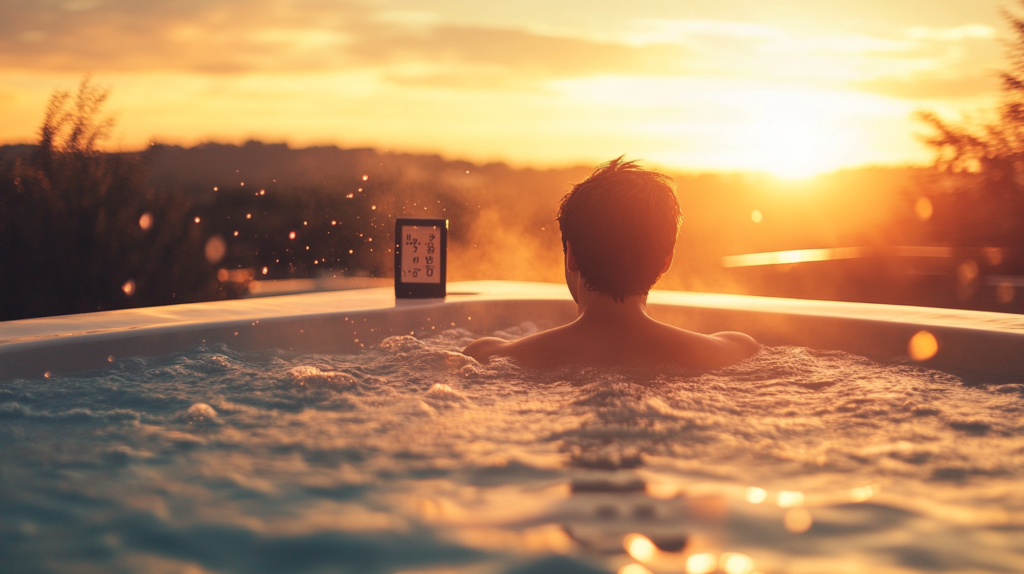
<point>668,263</point>
<point>570,258</point>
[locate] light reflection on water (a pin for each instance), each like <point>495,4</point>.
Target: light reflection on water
<point>412,457</point>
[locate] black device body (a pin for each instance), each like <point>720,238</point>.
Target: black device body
<point>421,258</point>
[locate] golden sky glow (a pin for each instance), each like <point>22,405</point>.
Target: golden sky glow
<point>790,86</point>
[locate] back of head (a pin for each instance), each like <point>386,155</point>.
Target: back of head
<point>622,223</point>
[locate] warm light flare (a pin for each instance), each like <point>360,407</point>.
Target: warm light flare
<point>1005,292</point>
<point>661,490</point>
<point>967,272</point>
<point>924,209</point>
<point>640,547</point>
<point>993,255</point>
<point>797,520</point>
<point>146,221</point>
<point>756,495</point>
<point>836,253</point>
<point>703,563</point>
<point>736,563</point>
<point>790,498</point>
<point>128,287</point>
<point>862,493</point>
<point>215,250</point>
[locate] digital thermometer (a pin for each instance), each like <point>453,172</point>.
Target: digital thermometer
<point>421,258</point>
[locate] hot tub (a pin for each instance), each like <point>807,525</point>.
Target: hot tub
<point>344,432</point>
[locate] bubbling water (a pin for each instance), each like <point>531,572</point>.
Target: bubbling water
<point>414,457</point>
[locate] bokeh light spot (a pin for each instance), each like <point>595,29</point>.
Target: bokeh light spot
<point>756,216</point>
<point>923,346</point>
<point>291,235</point>
<point>967,272</point>
<point>215,249</point>
<point>1005,292</point>
<point>756,495</point>
<point>993,255</point>
<point>862,493</point>
<point>797,520</point>
<point>197,219</point>
<point>639,547</point>
<point>701,563</point>
<point>924,209</point>
<point>128,287</point>
<point>661,490</point>
<point>736,563</point>
<point>146,221</point>
<point>634,569</point>
<point>790,498</point>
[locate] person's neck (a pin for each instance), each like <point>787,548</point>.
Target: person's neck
<point>594,307</point>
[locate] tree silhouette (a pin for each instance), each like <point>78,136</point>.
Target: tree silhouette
<point>70,223</point>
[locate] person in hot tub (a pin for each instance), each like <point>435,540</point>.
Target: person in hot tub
<point>619,230</point>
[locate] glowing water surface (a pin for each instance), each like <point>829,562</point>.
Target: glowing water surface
<point>413,458</point>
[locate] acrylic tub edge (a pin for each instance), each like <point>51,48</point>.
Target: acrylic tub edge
<point>344,321</point>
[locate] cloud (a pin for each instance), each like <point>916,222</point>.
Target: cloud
<point>476,56</point>
<point>231,36</point>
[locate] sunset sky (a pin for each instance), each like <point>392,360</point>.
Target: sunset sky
<point>793,87</point>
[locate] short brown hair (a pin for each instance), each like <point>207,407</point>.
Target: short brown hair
<point>622,222</point>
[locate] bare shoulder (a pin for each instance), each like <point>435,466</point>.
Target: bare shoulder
<point>542,350</point>
<point>728,347</point>
<point>483,349</point>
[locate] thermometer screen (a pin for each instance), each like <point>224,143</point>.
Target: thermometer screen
<point>421,258</point>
